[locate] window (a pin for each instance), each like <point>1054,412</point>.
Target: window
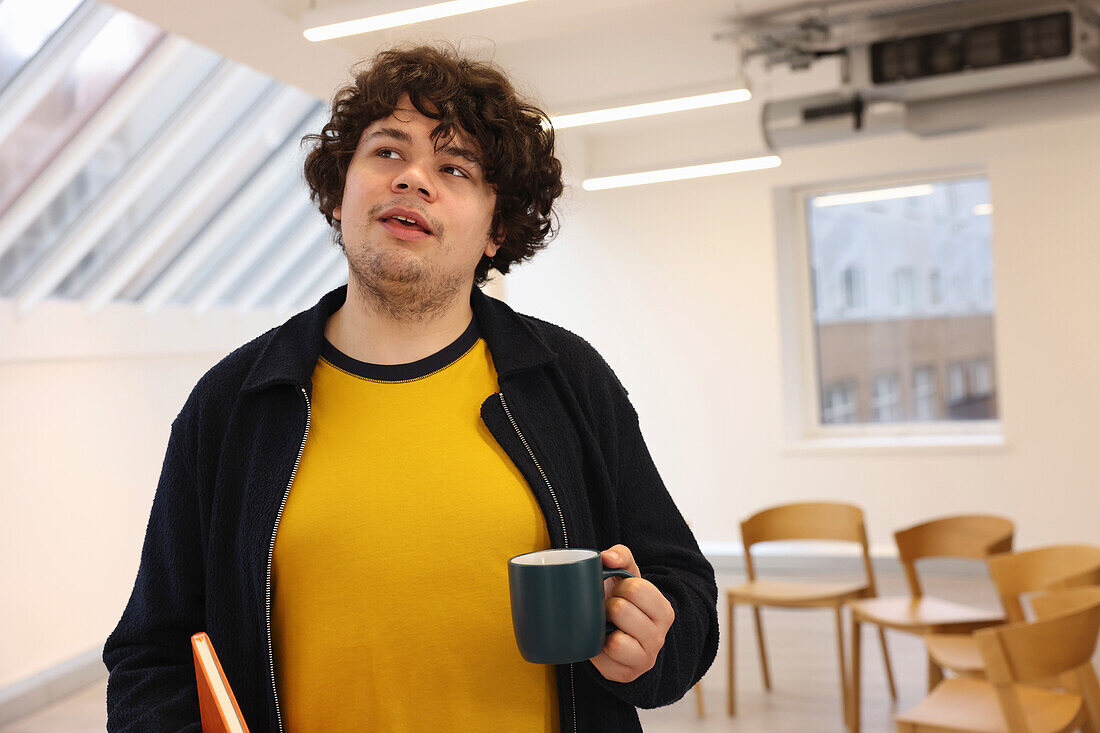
<point>924,393</point>
<point>853,288</point>
<point>912,268</point>
<point>885,399</point>
<point>903,287</point>
<point>981,383</point>
<point>935,288</point>
<point>25,26</point>
<point>956,383</point>
<point>840,403</point>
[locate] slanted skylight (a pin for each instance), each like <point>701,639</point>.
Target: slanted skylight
<point>138,167</point>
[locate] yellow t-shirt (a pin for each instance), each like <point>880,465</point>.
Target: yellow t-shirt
<point>391,608</point>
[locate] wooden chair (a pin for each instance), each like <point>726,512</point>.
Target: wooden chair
<point>1016,656</point>
<point>1016,574</point>
<point>800,521</point>
<point>966,536</point>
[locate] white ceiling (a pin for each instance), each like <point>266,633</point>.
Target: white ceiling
<point>570,54</point>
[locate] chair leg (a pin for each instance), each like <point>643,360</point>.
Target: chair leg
<point>935,673</point>
<point>1090,691</point>
<point>731,697</point>
<point>760,643</point>
<point>843,666</point>
<point>854,690</point>
<point>889,669</point>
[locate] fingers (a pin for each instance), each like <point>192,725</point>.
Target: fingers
<point>624,650</point>
<point>642,616</point>
<point>632,621</point>
<point>647,598</point>
<point>612,670</point>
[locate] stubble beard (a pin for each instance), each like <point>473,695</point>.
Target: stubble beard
<point>399,284</point>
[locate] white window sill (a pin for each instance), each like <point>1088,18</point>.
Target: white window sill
<point>880,445</point>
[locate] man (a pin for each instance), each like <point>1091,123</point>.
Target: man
<point>341,495</point>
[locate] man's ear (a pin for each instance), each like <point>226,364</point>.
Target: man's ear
<point>336,213</point>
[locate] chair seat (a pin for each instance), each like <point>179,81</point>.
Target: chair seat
<point>795,593</point>
<point>956,652</point>
<point>922,614</point>
<point>960,704</point>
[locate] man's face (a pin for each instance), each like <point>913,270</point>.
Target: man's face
<point>396,165</point>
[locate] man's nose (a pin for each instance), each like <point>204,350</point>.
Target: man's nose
<point>412,178</point>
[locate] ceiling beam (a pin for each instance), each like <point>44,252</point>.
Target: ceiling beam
<point>225,162</point>
<point>228,80</point>
<point>160,62</point>
<point>290,206</point>
<point>41,73</point>
<point>309,277</point>
<point>308,231</point>
<point>258,191</point>
<point>333,278</point>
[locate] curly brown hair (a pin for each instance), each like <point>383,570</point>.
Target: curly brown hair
<point>517,149</point>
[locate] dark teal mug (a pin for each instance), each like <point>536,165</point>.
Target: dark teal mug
<point>558,611</point>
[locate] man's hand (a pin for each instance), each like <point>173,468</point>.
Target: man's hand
<point>643,617</point>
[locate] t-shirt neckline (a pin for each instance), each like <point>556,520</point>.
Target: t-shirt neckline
<point>404,372</point>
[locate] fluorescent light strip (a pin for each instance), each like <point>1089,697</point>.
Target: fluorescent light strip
<point>646,109</point>
<point>679,174</point>
<point>982,209</point>
<point>878,194</point>
<point>401,17</point>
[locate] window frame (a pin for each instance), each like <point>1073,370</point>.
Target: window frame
<point>802,390</point>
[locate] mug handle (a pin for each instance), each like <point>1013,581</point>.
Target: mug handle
<point>614,573</point>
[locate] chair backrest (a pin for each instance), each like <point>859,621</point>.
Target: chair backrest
<point>1064,600</point>
<point>975,536</point>
<point>1036,651</point>
<point>1042,568</point>
<point>817,520</point>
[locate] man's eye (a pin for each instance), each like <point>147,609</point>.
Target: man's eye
<point>461,172</point>
<point>386,150</point>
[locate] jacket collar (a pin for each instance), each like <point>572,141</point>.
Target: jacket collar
<point>291,353</point>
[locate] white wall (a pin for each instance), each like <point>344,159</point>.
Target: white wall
<point>676,284</point>
<point>87,408</point>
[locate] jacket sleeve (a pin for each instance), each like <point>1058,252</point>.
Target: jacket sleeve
<point>151,685</point>
<point>667,555</point>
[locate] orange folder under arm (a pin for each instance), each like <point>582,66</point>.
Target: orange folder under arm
<point>217,705</point>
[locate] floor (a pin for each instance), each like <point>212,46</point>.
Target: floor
<point>801,647</point>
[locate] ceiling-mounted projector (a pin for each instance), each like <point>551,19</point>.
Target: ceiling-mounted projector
<point>877,64</point>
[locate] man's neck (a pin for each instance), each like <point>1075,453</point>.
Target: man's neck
<point>371,334</point>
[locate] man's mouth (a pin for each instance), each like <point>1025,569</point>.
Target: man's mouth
<point>407,223</point>
<point>403,230</point>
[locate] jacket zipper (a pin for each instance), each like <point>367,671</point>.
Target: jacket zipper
<point>271,555</point>
<point>564,534</point>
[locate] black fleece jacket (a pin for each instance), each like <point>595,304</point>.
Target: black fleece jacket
<point>563,418</point>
